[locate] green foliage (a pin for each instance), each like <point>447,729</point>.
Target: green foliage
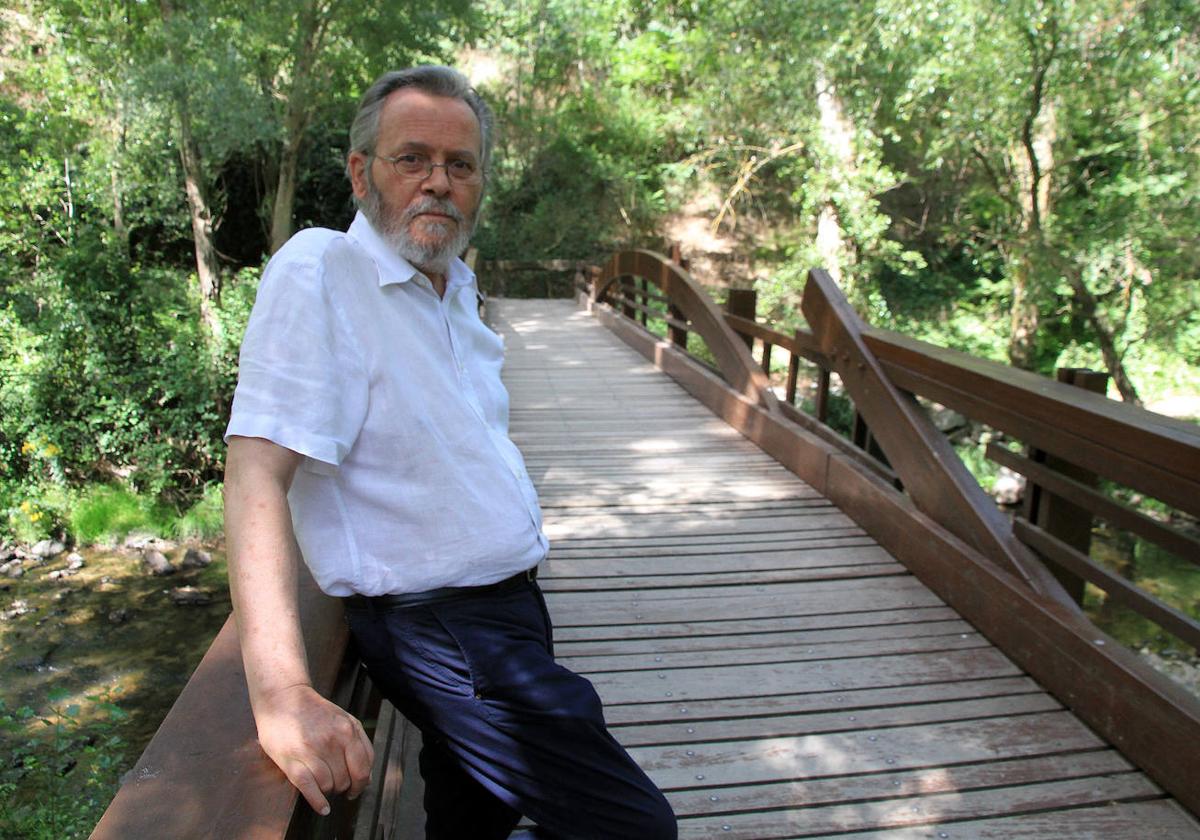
<point>61,769</point>
<point>205,519</point>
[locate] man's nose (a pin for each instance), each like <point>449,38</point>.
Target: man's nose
<point>437,182</point>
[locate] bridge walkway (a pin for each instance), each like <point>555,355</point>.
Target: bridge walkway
<point>772,668</point>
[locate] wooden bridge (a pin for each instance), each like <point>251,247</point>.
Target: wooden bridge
<point>789,644</point>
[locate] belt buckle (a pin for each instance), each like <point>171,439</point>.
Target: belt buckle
<point>531,574</point>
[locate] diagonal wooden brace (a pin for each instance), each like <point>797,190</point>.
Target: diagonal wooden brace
<point>933,475</point>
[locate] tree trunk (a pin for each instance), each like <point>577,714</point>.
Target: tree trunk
<point>1023,314</point>
<point>837,138</point>
<point>285,187</point>
<point>1032,162</point>
<point>1105,337</point>
<point>310,30</point>
<point>207,267</point>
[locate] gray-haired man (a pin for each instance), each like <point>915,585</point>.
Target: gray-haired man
<point>368,437</point>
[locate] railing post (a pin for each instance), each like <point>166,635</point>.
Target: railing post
<point>679,337</point>
<point>793,374</point>
<point>743,303</point>
<point>595,276</point>
<point>1069,522</point>
<point>822,401</point>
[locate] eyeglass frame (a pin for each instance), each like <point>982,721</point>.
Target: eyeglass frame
<point>476,172</point>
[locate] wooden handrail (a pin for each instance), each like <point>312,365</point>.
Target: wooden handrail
<point>1151,453</point>
<point>732,357</point>
<point>203,773</point>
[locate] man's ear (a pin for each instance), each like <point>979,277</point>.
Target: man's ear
<point>358,163</point>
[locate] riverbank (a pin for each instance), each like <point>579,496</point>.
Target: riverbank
<point>94,649</point>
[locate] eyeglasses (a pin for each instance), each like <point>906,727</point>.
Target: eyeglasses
<point>417,167</point>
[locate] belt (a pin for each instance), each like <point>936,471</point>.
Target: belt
<point>367,603</point>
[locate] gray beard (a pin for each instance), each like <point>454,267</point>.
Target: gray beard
<point>392,226</point>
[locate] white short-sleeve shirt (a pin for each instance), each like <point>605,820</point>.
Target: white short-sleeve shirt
<point>393,396</point>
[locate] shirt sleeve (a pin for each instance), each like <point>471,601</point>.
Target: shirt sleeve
<point>301,380</point>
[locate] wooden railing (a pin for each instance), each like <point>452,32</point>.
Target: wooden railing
<point>1019,579</point>
<point>203,774</point>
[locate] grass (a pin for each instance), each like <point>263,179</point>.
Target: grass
<point>108,514</point>
<point>205,520</point>
<point>103,514</point>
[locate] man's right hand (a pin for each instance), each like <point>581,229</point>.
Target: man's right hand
<point>321,748</point>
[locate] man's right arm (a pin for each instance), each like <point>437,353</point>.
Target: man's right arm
<point>319,747</point>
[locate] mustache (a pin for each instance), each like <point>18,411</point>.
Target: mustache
<point>429,204</point>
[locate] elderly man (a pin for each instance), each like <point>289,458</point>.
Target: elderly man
<point>368,437</point>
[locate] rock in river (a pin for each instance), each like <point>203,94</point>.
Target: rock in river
<point>157,562</point>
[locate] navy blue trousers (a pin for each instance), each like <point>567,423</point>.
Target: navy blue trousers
<point>507,731</point>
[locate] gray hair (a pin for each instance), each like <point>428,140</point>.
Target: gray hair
<point>429,78</point>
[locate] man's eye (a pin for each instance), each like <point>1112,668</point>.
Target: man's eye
<point>462,167</point>
<point>410,160</point>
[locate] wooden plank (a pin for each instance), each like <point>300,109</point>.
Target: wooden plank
<point>894,786</point>
<point>664,663</point>
<point>570,609</point>
<point>730,681</point>
<point>925,810</point>
<point>834,524</point>
<point>845,701</point>
<point>588,646</point>
<point>816,573</point>
<point>782,623</point>
<point>818,540</point>
<point>563,530</point>
<point>1128,821</point>
<point>838,754</point>
<point>775,560</point>
<point>695,731</point>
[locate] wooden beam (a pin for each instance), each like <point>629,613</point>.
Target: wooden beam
<point>1177,542</point>
<point>1119,589</point>
<point>927,464</point>
<point>1151,453</point>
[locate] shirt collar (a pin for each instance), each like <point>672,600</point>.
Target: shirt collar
<point>393,268</point>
